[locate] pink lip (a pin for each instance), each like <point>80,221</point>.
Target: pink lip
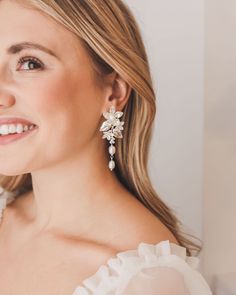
<point>14,121</point>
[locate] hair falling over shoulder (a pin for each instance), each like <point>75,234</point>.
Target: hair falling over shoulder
<point>110,34</point>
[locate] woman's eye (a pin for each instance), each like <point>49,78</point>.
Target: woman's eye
<point>30,63</point>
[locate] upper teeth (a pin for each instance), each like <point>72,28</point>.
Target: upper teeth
<point>14,128</point>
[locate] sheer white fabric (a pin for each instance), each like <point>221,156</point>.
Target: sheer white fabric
<point>151,269</point>
<point>160,269</point>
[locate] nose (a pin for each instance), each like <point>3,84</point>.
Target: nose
<point>6,100</point>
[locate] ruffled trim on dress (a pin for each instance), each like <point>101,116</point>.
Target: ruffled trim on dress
<point>128,263</point>
<point>6,198</point>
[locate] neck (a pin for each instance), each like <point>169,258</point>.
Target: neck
<point>68,197</point>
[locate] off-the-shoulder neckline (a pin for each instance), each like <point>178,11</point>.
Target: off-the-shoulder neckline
<point>144,253</point>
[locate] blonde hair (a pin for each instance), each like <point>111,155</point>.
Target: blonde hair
<point>111,36</point>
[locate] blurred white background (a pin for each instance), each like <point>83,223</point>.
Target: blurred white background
<point>192,51</point>
<point>173,32</point>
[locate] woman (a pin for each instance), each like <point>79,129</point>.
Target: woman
<point>76,113</point>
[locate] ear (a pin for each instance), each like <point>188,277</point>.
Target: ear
<point>118,92</point>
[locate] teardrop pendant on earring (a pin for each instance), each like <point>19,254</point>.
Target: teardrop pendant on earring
<point>111,165</point>
<point>112,151</point>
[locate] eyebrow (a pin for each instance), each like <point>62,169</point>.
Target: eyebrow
<point>16,48</point>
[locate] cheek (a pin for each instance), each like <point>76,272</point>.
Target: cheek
<point>53,96</point>
<point>68,108</point>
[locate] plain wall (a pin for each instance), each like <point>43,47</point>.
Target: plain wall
<point>220,139</point>
<point>173,32</point>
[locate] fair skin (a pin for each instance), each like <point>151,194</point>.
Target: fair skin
<point>78,214</point>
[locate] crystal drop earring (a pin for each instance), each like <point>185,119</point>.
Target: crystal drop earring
<point>111,129</point>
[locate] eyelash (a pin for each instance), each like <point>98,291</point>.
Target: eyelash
<point>31,59</point>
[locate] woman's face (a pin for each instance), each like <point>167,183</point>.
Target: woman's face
<point>56,91</point>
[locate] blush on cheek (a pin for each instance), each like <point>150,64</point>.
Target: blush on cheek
<point>52,97</point>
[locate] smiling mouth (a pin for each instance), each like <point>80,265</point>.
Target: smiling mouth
<point>24,129</point>
<point>10,138</point>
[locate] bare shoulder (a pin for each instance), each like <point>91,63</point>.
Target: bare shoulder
<point>125,224</point>
<point>132,223</point>
<point>128,224</point>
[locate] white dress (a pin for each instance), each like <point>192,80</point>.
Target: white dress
<point>151,269</point>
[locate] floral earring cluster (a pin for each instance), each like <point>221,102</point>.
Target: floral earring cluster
<point>111,129</point>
